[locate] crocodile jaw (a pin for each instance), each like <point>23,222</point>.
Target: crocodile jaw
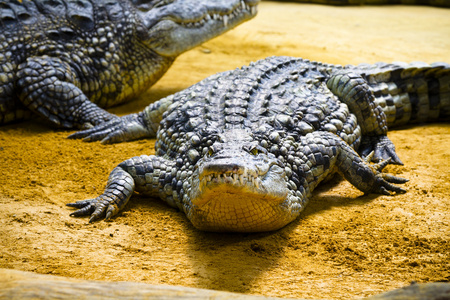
<point>238,200</point>
<point>184,24</point>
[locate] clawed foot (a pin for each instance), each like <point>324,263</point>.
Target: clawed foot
<point>126,128</point>
<point>382,147</point>
<point>383,184</point>
<point>98,208</point>
<point>97,117</point>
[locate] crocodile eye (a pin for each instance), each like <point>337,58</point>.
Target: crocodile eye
<point>254,151</point>
<point>257,150</point>
<point>210,151</point>
<point>213,149</point>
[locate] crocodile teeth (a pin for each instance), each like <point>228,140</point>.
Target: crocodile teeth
<point>235,178</point>
<point>257,182</point>
<point>245,6</point>
<point>247,178</point>
<point>225,20</point>
<point>241,179</point>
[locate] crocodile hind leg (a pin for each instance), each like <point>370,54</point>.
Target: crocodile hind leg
<point>149,175</point>
<point>50,88</point>
<point>354,91</point>
<point>367,177</point>
<point>322,153</point>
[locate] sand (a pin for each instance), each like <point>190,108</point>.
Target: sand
<point>345,245</point>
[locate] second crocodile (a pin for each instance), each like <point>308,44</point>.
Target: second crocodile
<point>243,150</point>
<point>64,59</point>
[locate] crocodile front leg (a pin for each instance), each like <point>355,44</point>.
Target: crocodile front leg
<point>50,88</point>
<point>127,128</point>
<point>149,175</point>
<point>354,91</point>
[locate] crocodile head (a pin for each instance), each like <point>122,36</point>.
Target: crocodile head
<point>175,26</point>
<point>239,186</point>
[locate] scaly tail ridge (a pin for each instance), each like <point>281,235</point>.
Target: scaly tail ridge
<point>409,93</point>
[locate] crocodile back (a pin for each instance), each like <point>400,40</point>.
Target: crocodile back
<point>60,28</point>
<point>410,93</point>
<point>275,99</point>
<point>77,14</point>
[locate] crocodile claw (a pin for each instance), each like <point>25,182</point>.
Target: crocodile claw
<point>382,148</point>
<point>96,208</point>
<point>384,181</point>
<point>382,164</point>
<point>85,208</point>
<point>94,133</point>
<point>126,128</point>
<point>385,187</point>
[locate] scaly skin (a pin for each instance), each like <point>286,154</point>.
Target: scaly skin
<point>62,59</point>
<point>442,3</point>
<point>243,150</point>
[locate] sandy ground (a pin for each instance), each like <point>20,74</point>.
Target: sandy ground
<point>344,246</point>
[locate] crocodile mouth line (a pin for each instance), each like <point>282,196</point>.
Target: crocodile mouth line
<point>235,179</point>
<point>244,178</point>
<point>217,16</point>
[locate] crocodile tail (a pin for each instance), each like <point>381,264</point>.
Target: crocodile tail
<point>410,93</point>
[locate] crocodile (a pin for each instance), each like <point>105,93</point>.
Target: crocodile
<point>65,60</point>
<point>243,150</point>
<point>441,3</point>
